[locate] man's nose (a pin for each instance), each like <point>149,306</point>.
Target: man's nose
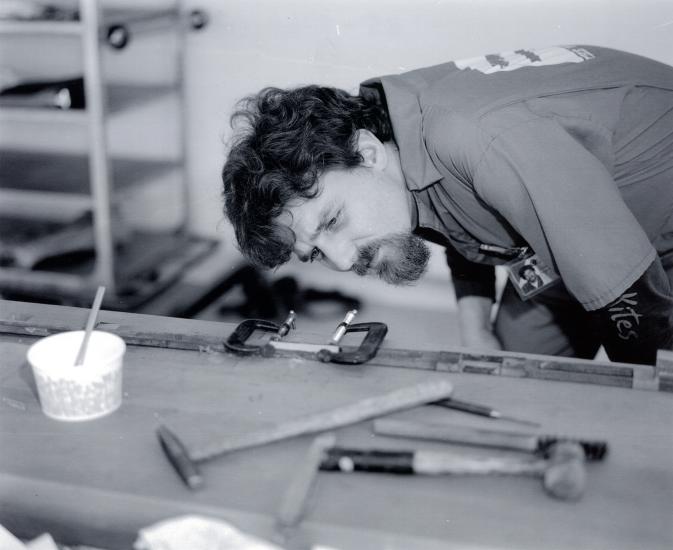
<point>339,255</point>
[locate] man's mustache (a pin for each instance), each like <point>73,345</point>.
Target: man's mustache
<point>366,255</point>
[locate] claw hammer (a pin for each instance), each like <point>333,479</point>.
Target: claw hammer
<point>186,461</point>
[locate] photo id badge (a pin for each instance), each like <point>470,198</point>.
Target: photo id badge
<point>530,275</point>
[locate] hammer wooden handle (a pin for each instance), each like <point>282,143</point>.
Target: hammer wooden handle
<point>436,462</point>
<point>426,462</point>
<point>294,502</point>
<point>352,413</point>
<point>456,434</point>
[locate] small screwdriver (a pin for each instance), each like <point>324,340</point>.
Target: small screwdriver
<point>480,410</point>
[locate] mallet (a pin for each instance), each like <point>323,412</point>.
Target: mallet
<point>563,473</point>
<point>185,461</point>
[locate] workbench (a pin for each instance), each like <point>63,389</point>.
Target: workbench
<point>98,482</point>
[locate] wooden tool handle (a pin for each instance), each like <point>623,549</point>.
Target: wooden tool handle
<point>294,502</point>
<point>426,462</point>
<point>364,409</point>
<point>456,434</point>
<point>438,463</point>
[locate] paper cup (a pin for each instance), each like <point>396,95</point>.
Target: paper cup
<point>85,392</point>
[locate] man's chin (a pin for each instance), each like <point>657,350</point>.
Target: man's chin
<point>394,277</point>
<point>404,267</point>
<point>394,274</point>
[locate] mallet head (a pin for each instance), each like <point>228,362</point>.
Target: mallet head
<point>565,475</point>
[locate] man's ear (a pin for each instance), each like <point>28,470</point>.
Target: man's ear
<point>372,150</point>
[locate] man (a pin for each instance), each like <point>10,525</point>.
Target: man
<point>562,155</point>
<point>531,281</point>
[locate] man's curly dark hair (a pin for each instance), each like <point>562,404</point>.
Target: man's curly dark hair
<point>285,140</point>
<point>526,267</point>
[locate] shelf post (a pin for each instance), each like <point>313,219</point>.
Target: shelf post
<point>181,30</point>
<point>99,165</point>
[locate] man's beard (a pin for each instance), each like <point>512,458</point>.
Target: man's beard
<point>405,266</point>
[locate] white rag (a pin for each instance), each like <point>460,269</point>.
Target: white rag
<point>10,542</point>
<point>197,533</point>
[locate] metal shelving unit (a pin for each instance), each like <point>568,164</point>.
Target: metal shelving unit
<point>72,28</point>
<point>33,183</point>
<point>119,98</point>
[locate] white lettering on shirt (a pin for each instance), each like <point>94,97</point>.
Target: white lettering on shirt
<point>516,59</point>
<point>625,317</point>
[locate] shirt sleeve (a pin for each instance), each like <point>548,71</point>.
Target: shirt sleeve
<point>564,202</point>
<point>640,321</point>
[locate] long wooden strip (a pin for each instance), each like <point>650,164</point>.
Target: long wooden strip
<point>367,408</point>
<point>150,330</point>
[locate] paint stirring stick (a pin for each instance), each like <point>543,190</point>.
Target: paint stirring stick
<point>90,322</point>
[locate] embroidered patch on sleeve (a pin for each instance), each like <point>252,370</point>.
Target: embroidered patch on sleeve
<point>516,59</point>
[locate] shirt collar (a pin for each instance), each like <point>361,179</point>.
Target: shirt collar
<point>402,98</point>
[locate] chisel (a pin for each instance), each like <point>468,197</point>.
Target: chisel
<point>481,410</point>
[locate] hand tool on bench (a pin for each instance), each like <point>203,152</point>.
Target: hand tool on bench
<point>328,352</point>
<point>563,473</point>
<point>236,342</point>
<point>293,505</point>
<point>375,333</point>
<point>330,347</point>
<point>186,461</point>
<point>481,410</point>
<point>519,441</point>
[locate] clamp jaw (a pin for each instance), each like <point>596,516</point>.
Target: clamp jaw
<point>236,341</point>
<point>376,332</point>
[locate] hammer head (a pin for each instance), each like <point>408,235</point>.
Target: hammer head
<point>179,457</point>
<point>565,475</point>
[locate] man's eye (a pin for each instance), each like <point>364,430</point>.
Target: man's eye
<point>315,254</point>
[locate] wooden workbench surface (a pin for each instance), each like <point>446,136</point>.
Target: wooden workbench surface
<point>98,482</point>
